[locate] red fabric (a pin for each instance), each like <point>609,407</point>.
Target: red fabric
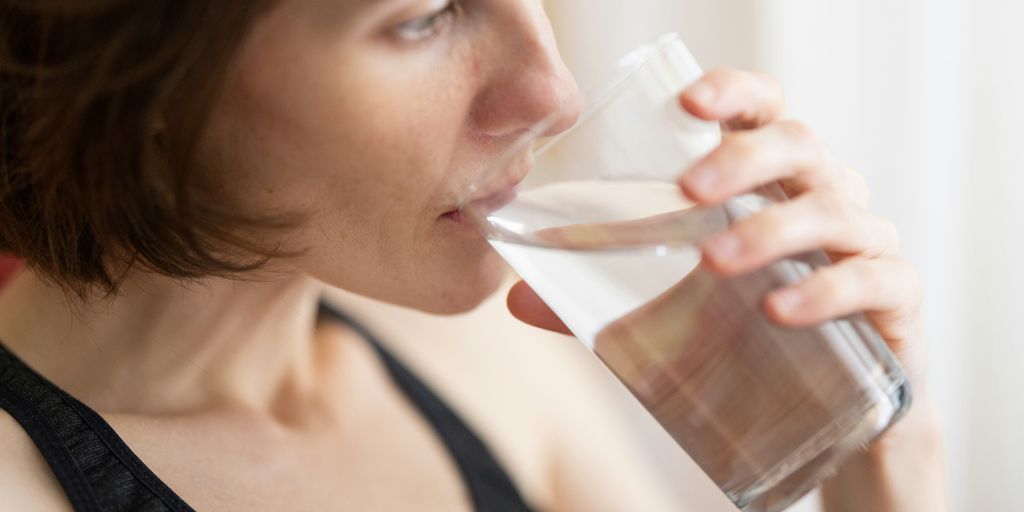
<point>8,266</point>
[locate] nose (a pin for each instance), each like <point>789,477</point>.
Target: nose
<point>529,83</point>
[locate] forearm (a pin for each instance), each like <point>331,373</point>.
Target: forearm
<point>902,472</point>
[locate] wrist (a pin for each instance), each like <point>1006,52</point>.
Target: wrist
<point>903,470</point>
<point>918,433</point>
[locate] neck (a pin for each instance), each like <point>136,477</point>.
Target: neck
<point>163,347</point>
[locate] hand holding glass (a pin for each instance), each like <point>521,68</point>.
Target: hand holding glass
<point>600,230</point>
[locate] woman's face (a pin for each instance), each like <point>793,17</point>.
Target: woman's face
<point>372,117</point>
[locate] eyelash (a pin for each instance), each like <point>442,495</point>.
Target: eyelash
<point>431,25</point>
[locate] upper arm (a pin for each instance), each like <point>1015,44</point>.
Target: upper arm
<point>26,482</point>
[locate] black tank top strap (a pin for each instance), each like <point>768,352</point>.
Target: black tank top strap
<point>93,465</point>
<point>99,472</point>
<point>490,487</point>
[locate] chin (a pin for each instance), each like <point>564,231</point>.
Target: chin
<point>462,292</point>
<point>448,282</point>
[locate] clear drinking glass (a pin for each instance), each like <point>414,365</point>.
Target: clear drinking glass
<point>595,223</point>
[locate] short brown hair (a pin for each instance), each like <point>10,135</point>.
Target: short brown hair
<point>101,106</point>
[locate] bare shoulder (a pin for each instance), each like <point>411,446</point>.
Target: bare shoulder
<point>557,419</point>
<point>26,482</point>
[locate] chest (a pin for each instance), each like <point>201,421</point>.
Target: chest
<point>382,455</point>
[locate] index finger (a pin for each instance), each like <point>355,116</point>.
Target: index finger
<point>741,100</point>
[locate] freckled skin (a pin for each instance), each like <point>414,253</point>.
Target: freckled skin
<point>375,140</point>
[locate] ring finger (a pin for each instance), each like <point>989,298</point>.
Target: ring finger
<point>822,219</point>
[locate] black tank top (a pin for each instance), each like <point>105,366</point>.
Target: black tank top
<point>98,471</point>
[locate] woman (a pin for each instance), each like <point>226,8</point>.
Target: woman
<point>260,151</point>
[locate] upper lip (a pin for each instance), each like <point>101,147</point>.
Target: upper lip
<point>485,189</point>
<point>505,182</point>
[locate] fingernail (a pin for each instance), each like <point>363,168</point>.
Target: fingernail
<point>724,247</point>
<point>786,302</point>
<point>702,93</point>
<point>702,180</point>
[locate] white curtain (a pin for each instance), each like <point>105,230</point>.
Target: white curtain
<point>925,98</point>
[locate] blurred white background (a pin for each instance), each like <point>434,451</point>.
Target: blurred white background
<point>924,98</point>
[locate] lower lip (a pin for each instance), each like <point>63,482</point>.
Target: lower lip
<point>489,204</point>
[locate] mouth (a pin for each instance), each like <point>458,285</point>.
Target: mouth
<point>458,217</point>
<point>485,204</point>
<point>500,191</point>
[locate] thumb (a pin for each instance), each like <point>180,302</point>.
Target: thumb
<point>525,305</point>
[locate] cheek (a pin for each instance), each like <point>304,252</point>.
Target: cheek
<point>371,165</point>
<point>326,153</point>
<point>372,208</point>
<point>436,267</point>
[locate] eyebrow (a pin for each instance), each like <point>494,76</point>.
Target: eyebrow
<point>335,10</point>
<point>352,14</point>
<point>362,5</point>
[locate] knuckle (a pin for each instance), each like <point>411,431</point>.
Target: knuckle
<point>858,280</point>
<point>798,132</point>
<point>811,154</point>
<point>836,206</point>
<point>739,147</point>
<point>723,74</point>
<point>866,274</point>
<point>772,84</point>
<point>769,225</point>
<point>903,303</point>
<point>880,236</point>
<point>773,222</point>
<point>830,286</point>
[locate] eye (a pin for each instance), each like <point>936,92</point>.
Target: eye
<point>428,26</point>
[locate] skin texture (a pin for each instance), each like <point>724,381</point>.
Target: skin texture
<point>333,111</point>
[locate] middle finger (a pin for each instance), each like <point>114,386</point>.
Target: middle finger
<point>785,151</point>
